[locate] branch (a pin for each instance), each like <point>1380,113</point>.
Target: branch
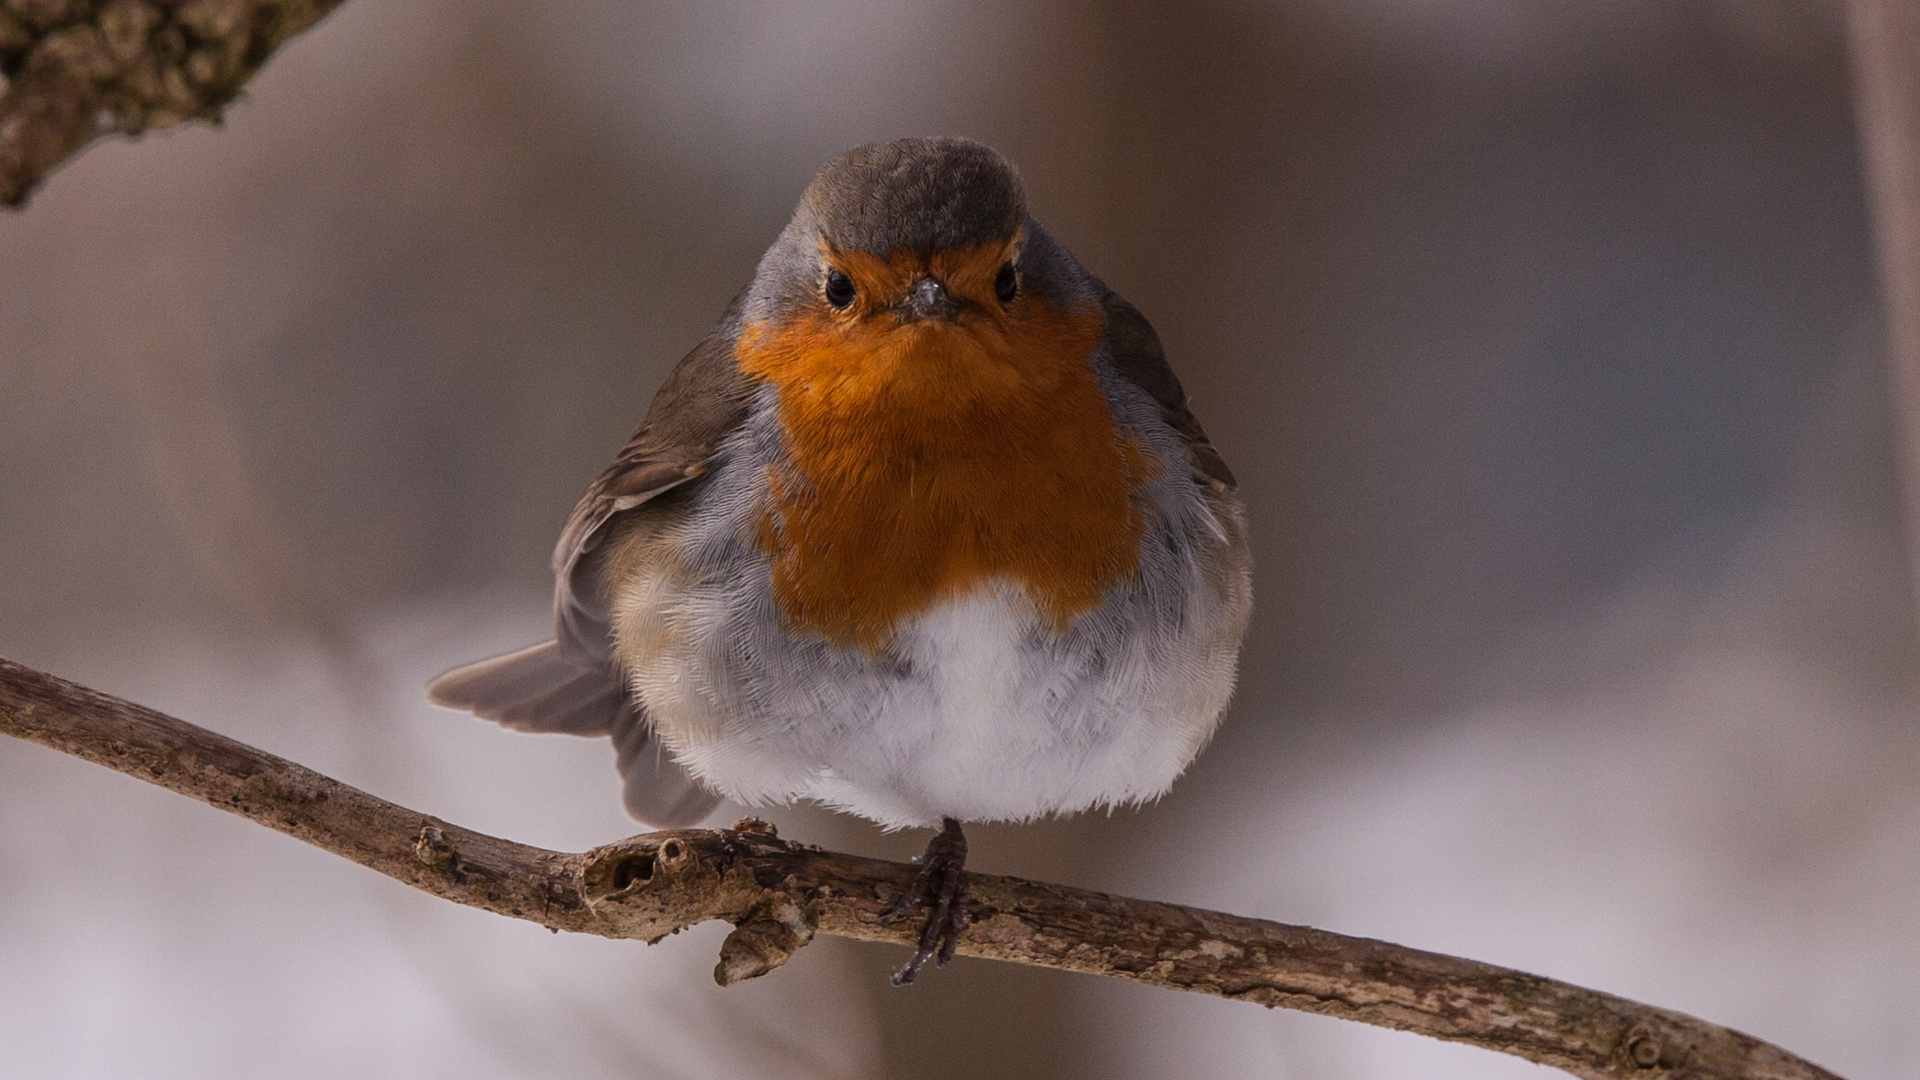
<point>779,895</point>
<point>1885,37</point>
<point>75,70</point>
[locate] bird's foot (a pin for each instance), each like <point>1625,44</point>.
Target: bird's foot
<point>941,887</point>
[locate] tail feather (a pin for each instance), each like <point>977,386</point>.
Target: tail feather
<point>536,689</point>
<point>544,689</point>
<point>655,789</point>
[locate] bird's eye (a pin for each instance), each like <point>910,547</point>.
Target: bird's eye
<point>839,289</point>
<point>1006,283</point>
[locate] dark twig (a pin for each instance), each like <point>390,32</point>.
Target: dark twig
<point>75,70</point>
<point>779,894</point>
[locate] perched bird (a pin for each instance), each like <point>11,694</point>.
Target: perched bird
<point>924,531</point>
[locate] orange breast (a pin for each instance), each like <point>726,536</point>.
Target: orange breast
<point>930,457</point>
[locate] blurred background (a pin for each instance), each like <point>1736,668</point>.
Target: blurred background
<point>1544,338</point>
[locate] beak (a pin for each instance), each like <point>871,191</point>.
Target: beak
<point>927,298</point>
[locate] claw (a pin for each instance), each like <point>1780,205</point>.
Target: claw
<point>941,883</point>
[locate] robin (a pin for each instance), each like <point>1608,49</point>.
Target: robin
<point>924,531</point>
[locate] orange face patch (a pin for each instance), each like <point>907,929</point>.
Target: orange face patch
<point>931,456</point>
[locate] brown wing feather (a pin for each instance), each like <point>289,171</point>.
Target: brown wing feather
<point>703,401</point>
<point>571,684</point>
<point>1137,355</point>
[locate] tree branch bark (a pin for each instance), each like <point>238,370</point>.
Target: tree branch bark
<point>74,70</point>
<point>1885,40</point>
<point>779,895</point>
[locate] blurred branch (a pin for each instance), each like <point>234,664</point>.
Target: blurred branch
<point>1885,38</point>
<point>75,70</point>
<point>779,894</point>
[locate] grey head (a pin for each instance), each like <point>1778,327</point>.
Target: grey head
<point>916,196</point>
<point>919,195</point>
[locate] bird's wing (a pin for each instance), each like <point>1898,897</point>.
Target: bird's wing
<point>1137,355</point>
<point>571,684</point>
<point>702,402</point>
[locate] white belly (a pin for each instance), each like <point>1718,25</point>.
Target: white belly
<point>978,712</point>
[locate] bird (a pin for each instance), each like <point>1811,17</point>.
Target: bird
<point>924,531</point>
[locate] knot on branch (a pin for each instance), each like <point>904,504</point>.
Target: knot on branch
<point>657,884</point>
<point>433,850</point>
<point>1642,1053</point>
<point>764,941</point>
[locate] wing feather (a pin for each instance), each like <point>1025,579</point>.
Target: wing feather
<point>1138,356</point>
<point>572,683</point>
